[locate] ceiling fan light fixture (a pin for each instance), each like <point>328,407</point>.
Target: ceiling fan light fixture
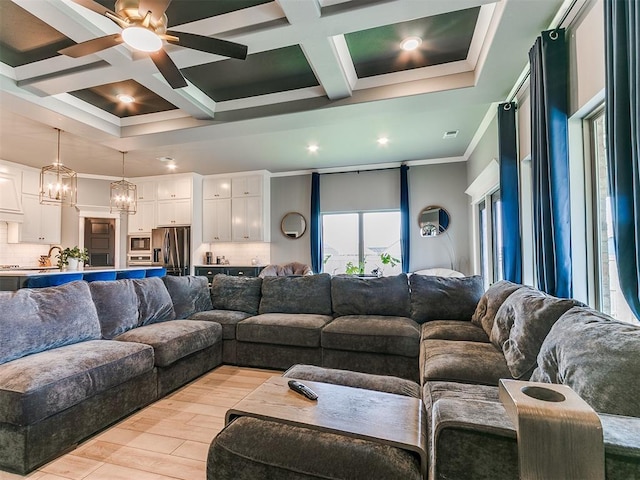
<point>141,38</point>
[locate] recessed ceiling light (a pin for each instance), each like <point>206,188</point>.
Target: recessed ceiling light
<point>410,43</point>
<point>313,148</point>
<point>450,134</point>
<point>124,98</point>
<point>172,166</point>
<point>383,141</point>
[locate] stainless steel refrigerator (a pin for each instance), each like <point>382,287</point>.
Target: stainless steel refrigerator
<point>172,249</point>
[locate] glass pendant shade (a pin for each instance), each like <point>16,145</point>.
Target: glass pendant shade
<point>58,184</point>
<point>123,195</point>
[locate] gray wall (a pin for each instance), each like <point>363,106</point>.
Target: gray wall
<point>290,194</point>
<point>441,185</point>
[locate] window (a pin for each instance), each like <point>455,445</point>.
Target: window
<point>484,247</point>
<point>496,236</point>
<point>361,243</point>
<point>610,299</point>
<point>490,237</point>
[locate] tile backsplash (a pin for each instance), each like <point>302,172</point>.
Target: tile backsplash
<point>23,254</point>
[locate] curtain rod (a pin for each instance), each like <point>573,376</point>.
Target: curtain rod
<point>359,171</point>
<point>564,17</point>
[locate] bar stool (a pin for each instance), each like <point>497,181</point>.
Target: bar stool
<point>42,281</point>
<point>130,274</point>
<point>96,276</point>
<point>156,272</point>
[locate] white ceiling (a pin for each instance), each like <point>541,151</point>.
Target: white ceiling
<point>344,115</point>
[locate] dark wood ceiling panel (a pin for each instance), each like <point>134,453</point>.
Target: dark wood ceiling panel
<point>25,38</point>
<point>187,11</point>
<point>105,97</point>
<point>445,38</point>
<point>261,73</point>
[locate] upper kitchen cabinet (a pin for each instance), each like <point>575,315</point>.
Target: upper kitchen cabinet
<point>249,186</point>
<point>41,223</point>
<point>214,188</point>
<point>144,219</point>
<point>10,198</point>
<point>146,191</point>
<point>175,187</point>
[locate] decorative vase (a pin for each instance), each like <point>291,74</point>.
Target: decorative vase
<point>73,263</point>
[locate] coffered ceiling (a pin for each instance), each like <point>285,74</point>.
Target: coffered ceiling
<point>324,72</point>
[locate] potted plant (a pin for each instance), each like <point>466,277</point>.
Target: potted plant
<point>72,258</point>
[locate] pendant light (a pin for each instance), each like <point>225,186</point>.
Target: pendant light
<point>124,195</point>
<point>58,184</point>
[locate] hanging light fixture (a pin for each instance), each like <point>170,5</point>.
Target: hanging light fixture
<point>124,195</point>
<point>58,184</point>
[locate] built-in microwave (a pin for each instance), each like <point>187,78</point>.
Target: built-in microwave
<point>140,243</point>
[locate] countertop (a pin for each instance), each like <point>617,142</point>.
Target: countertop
<point>56,271</point>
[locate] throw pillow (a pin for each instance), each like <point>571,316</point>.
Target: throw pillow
<point>241,294</point>
<point>444,298</point>
<point>598,357</point>
<point>371,296</point>
<point>531,313</point>
<point>189,294</point>
<point>490,302</point>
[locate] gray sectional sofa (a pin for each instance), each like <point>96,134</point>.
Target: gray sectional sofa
<point>78,357</point>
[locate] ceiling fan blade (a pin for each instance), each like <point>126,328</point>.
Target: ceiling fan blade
<point>92,46</point>
<point>94,6</point>
<point>211,45</point>
<point>156,7</point>
<point>168,69</point>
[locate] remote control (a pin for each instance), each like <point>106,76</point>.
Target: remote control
<point>302,389</point>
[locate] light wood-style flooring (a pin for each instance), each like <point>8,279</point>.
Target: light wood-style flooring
<point>166,440</point>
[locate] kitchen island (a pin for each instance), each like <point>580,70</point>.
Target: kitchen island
<point>13,279</point>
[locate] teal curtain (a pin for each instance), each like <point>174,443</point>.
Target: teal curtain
<point>315,228</point>
<point>405,220</point>
<point>622,58</point>
<point>509,192</point>
<point>550,163</point>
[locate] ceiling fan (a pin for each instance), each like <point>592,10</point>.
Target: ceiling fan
<point>144,28</point>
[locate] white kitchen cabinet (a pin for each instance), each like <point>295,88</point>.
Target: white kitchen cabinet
<point>144,220</point>
<point>249,186</point>
<point>216,220</point>
<point>173,212</point>
<point>247,219</point>
<point>42,223</point>
<point>174,188</point>
<point>214,188</point>
<point>146,191</point>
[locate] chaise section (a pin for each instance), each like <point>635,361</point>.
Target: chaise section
<point>293,311</point>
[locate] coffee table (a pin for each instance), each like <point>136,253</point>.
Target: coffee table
<point>381,417</point>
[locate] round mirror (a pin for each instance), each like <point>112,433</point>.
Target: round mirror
<point>433,221</point>
<point>293,225</point>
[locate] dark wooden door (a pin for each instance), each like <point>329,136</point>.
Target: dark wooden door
<point>100,240</point>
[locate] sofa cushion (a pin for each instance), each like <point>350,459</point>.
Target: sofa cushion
<point>227,318</point>
<point>34,320</point>
<point>466,362</point>
<point>598,357</point>
<point>444,298</point>
<point>38,386</point>
<point>189,294</point>
<point>300,330</point>
<point>490,302</point>
<point>370,296</point>
<point>531,314</point>
<point>307,294</point>
<point>236,293</point>
<point>434,391</point>
<point>116,302</point>
<point>379,383</point>
<point>154,301</point>
<point>453,330</point>
<point>373,333</point>
<point>173,340</point>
